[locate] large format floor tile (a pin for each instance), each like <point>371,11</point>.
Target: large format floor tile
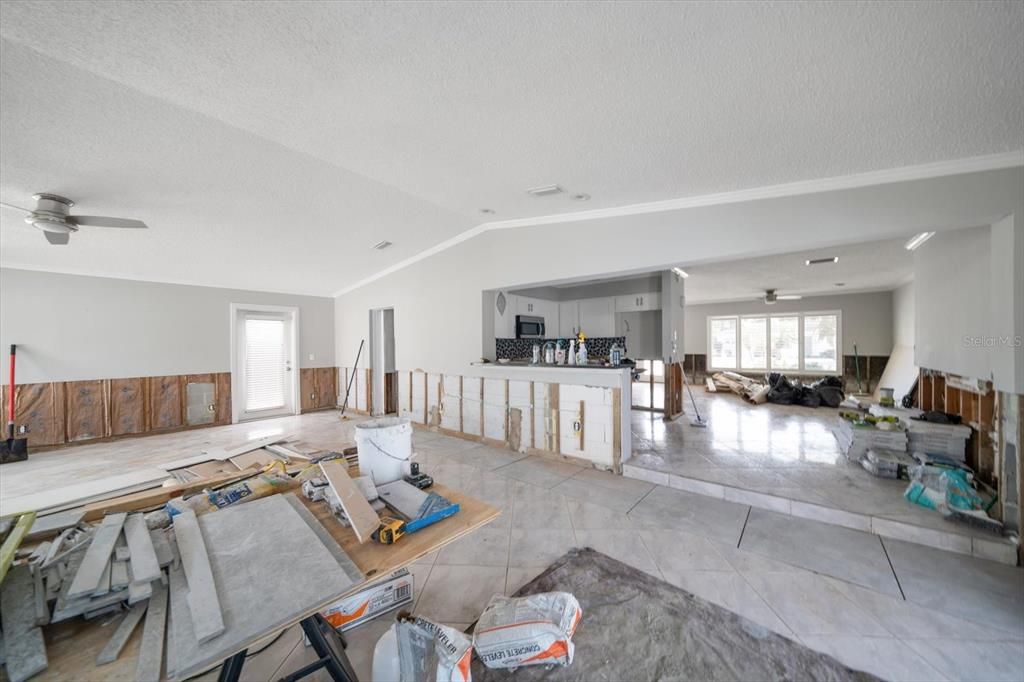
<point>731,591</point>
<point>840,552</point>
<point>459,593</point>
<point>884,657</point>
<point>959,660</point>
<point>666,508</point>
<point>810,605</point>
<point>538,471</point>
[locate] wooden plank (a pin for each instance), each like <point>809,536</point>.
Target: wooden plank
<point>82,493</point>
<point>617,430</point>
<point>556,416</point>
<point>151,650</point>
<point>533,420</point>
<point>203,603</point>
<point>462,414</point>
<point>359,512</point>
<point>147,499</point>
<point>143,557</point>
<point>120,637</point>
<point>97,555</point>
<point>222,390</point>
<point>582,424</point>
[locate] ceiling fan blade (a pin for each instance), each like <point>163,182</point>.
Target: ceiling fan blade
<point>105,221</point>
<point>17,208</point>
<point>58,238</point>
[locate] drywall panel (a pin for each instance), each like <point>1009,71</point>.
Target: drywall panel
<point>433,398</point>
<point>495,413</point>
<point>451,403</point>
<point>642,331</point>
<point>404,394</point>
<point>471,405</point>
<point>867,319</point>
<point>541,422</point>
<point>71,327</point>
<point>360,388</point>
<point>1006,304</point>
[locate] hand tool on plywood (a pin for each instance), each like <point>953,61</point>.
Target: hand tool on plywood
<point>12,449</point>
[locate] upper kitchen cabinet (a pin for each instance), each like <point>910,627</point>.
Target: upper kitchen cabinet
<point>538,307</point>
<point>637,302</point>
<point>505,323</point>
<point>568,319</point>
<point>597,316</point>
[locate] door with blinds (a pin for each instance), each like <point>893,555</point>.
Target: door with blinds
<point>264,359</point>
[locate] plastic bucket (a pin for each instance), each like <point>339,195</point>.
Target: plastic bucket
<point>385,448</point>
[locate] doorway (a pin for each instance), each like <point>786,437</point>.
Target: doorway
<point>264,361</point>
<point>384,399</point>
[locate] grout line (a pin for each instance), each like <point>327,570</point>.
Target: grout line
<point>651,555</point>
<point>891,568</point>
<point>744,529</point>
<point>642,498</point>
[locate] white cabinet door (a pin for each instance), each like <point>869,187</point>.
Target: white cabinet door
<point>568,319</point>
<point>636,302</point>
<point>650,301</point>
<point>597,316</point>
<point>549,311</point>
<point>505,325</point>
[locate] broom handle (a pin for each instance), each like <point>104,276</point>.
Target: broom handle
<point>10,398</point>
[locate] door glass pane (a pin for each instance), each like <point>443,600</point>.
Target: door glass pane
<point>753,342</point>
<point>264,364</point>
<point>723,343</point>
<point>785,343</point>
<point>820,342</point>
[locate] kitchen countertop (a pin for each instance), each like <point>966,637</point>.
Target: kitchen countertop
<point>527,363</point>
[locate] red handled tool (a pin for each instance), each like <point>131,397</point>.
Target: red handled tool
<point>13,449</point>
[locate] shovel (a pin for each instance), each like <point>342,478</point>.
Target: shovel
<point>13,449</point>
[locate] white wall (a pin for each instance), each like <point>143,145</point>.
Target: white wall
<point>968,303</point>
<point>867,319</point>
<point>437,300</point>
<point>903,319</point>
<point>70,327</point>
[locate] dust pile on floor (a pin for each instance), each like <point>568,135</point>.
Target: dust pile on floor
<point>636,627</point>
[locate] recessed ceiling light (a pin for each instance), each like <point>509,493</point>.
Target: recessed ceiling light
<point>488,211</point>
<point>581,197</point>
<point>682,273</point>
<point>820,261</point>
<point>789,297</point>
<point>382,245</point>
<point>840,284</point>
<point>546,190</point>
<point>917,240</point>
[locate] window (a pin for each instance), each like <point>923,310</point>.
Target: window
<point>799,342</point>
<point>265,360</point>
<point>820,342</point>
<point>754,342</point>
<point>722,333</point>
<point>785,343</point>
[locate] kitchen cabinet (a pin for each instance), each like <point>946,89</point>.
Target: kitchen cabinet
<point>638,302</point>
<point>505,325</point>
<point>568,319</point>
<point>597,316</point>
<point>538,307</point>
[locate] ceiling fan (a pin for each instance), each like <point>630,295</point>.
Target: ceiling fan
<point>770,297</point>
<point>52,217</point>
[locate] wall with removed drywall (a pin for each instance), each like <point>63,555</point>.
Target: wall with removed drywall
<point>867,319</point>
<point>437,300</point>
<point>71,327</point>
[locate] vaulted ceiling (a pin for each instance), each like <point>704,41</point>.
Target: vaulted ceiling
<point>269,145</point>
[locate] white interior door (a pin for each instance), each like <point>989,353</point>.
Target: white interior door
<point>265,359</point>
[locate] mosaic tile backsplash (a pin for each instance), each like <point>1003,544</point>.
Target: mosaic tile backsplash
<point>598,347</point>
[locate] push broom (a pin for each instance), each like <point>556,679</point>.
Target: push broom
<point>699,422</point>
<point>13,449</point>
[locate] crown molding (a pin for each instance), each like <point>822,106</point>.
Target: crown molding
<point>974,164</point>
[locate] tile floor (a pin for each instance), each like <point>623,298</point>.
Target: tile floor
<point>785,458</point>
<point>949,616</point>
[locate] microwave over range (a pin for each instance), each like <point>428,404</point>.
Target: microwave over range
<point>529,327</point>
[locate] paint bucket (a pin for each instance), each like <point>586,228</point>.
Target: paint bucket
<point>385,448</point>
<point>885,397</point>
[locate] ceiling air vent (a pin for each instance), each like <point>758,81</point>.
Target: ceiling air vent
<point>380,246</point>
<point>821,261</point>
<point>544,191</point>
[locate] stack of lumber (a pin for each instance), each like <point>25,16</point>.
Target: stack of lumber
<point>856,438</point>
<point>947,440</point>
<point>748,389</point>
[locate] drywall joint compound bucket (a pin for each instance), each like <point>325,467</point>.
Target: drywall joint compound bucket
<point>385,448</point>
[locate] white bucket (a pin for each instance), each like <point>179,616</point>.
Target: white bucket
<point>385,447</point>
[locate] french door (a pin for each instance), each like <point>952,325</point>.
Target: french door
<point>264,362</point>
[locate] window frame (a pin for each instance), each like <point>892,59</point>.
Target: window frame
<point>799,314</point>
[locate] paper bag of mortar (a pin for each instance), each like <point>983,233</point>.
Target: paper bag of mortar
<point>533,630</point>
<point>418,650</point>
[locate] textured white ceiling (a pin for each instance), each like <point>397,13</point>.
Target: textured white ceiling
<point>304,132</point>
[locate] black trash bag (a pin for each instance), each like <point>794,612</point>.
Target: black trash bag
<point>809,397</point>
<point>782,391</point>
<point>829,390</point>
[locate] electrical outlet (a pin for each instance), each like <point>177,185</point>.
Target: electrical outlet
<point>23,429</point>
<point>311,357</point>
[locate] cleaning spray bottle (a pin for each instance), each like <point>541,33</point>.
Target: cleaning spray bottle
<point>572,351</point>
<point>581,354</point>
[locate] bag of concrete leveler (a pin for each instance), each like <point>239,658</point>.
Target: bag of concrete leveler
<point>415,649</point>
<point>533,630</point>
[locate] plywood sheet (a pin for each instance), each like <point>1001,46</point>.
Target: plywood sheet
<point>165,402</point>
<point>326,386</point>
<point>127,406</point>
<point>40,408</point>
